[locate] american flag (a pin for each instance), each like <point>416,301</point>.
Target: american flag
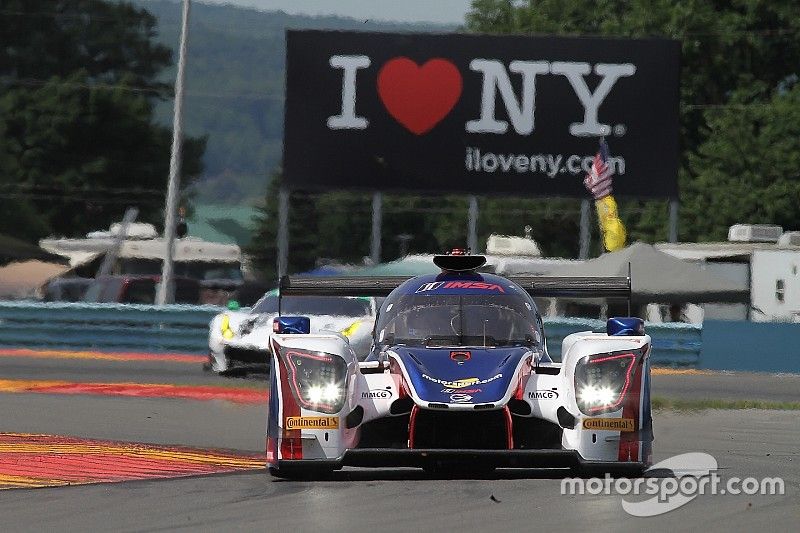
<point>598,180</point>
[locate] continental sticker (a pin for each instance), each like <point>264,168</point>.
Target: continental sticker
<point>312,422</point>
<point>609,424</point>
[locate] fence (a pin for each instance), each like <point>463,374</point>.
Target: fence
<point>181,328</point>
<point>143,328</point>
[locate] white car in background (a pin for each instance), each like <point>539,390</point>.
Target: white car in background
<point>239,339</point>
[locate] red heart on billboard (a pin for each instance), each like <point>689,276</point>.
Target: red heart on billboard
<point>419,97</point>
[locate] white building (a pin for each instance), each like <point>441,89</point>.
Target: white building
<point>762,257</point>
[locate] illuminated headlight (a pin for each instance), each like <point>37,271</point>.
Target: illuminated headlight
<point>316,379</point>
<point>225,327</point>
<point>602,382</point>
<point>329,393</point>
<point>592,395</point>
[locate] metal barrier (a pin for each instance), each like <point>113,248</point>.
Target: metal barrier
<point>674,344</point>
<point>182,328</point>
<point>143,328</point>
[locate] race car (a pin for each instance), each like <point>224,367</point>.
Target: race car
<point>459,379</point>
<point>240,339</point>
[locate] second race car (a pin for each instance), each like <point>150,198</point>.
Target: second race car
<point>240,339</point>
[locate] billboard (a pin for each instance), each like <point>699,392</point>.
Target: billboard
<point>479,114</point>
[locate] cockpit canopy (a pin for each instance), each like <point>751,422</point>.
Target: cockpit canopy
<point>472,313</point>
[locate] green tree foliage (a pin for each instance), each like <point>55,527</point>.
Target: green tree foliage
<point>749,167</point>
<point>78,143</point>
<point>727,47</point>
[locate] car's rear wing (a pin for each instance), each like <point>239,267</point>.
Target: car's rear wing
<point>537,286</point>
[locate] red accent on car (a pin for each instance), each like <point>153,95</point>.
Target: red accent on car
<point>509,428</point>
<point>292,448</point>
<point>460,357</point>
<point>412,420</point>
<point>629,440</point>
<point>272,450</point>
<point>289,449</point>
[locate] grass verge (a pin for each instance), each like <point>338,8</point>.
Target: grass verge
<point>703,404</point>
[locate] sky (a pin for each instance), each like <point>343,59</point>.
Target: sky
<point>440,11</point>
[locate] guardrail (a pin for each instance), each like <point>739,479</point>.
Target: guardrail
<point>182,328</point>
<point>674,344</point>
<point>141,328</point>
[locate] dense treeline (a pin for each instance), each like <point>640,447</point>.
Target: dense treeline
<point>78,140</point>
<point>740,129</point>
<point>85,105</point>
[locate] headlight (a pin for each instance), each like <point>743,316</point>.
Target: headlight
<point>316,379</point>
<point>351,329</point>
<point>602,381</point>
<point>225,327</point>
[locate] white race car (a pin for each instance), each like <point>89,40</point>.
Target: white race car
<point>460,380</point>
<point>240,339</point>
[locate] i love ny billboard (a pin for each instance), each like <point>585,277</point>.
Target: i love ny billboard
<point>479,114</point>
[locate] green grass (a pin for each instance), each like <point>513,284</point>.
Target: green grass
<point>703,404</point>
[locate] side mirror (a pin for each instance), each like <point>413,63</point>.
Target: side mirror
<point>625,326</point>
<point>284,325</point>
<point>233,305</point>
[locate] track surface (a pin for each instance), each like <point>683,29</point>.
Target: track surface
<point>745,443</point>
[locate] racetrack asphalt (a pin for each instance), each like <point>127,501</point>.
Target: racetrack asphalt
<point>745,443</point>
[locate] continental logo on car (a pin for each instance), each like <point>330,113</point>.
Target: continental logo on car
<point>312,422</point>
<point>609,424</point>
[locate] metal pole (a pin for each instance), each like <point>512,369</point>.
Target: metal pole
<point>673,220</point>
<point>166,289</point>
<point>113,252</point>
<point>472,225</point>
<point>283,232</point>
<point>377,221</point>
<point>585,235</point>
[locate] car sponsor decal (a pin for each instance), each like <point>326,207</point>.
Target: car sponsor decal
<point>609,424</point>
<point>462,383</point>
<point>465,285</point>
<point>462,391</point>
<point>377,394</point>
<point>544,394</point>
<point>312,422</point>
<point>460,357</point>
<point>460,398</point>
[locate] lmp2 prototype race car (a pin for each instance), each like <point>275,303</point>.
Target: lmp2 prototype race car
<point>459,379</point>
<point>240,339</point>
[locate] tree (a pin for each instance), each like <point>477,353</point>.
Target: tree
<point>748,169</point>
<point>726,47</point>
<point>78,142</point>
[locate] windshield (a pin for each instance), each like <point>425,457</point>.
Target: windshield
<point>456,320</point>
<point>315,305</point>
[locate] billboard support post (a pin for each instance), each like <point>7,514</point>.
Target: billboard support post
<point>585,230</point>
<point>472,225</point>
<point>283,232</point>
<point>377,222</point>
<point>673,220</point>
